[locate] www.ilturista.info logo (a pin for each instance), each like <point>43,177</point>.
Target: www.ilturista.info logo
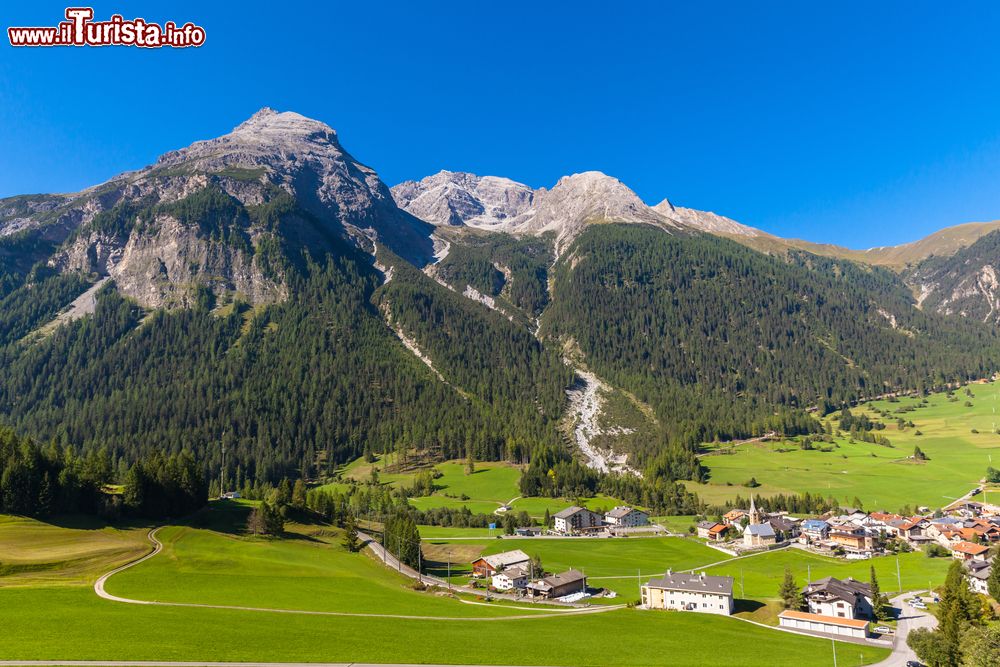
<point>79,29</point>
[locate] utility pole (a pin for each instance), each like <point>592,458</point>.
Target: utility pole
<point>222,480</point>
<point>834,645</point>
<point>899,576</point>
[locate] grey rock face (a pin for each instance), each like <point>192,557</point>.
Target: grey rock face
<point>706,221</point>
<point>159,264</point>
<point>500,204</point>
<point>457,198</point>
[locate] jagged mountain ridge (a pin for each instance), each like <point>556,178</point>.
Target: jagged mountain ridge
<point>129,228</point>
<point>455,198</point>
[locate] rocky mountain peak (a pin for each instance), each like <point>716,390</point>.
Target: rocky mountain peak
<point>705,221</point>
<point>589,197</point>
<point>461,198</point>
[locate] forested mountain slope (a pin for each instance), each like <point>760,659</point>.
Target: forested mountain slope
<point>263,290</point>
<point>725,342</point>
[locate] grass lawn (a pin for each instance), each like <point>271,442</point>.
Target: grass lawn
<point>675,524</point>
<point>492,485</point>
<point>75,550</point>
<point>882,477</point>
<point>72,623</point>
<point>206,560</point>
<point>614,563</point>
<point>758,577</point>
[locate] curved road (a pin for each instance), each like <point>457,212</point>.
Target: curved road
<point>909,619</point>
<point>158,546</point>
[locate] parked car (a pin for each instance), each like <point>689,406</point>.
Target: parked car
<point>883,630</point>
<point>913,663</point>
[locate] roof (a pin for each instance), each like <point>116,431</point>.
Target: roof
<point>847,589</point>
<point>782,523</point>
<point>698,583</point>
<point>828,620</point>
<point>622,511</point>
<point>506,559</point>
<point>707,525</point>
<point>564,578</point>
<point>760,529</point>
<point>719,528</point>
<point>814,524</point>
<point>570,511</point>
<point>970,548</point>
<point>513,573</point>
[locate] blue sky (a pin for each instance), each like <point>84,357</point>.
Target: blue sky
<point>855,123</point>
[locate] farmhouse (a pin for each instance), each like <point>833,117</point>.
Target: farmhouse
<point>514,578</point>
<point>733,517</point>
<point>626,517</point>
<point>573,520</point>
<point>690,592</point>
<point>969,551</point>
<point>784,527</point>
<point>487,566</point>
<point>829,625</point>
<point>848,598</point>
<point>711,530</point>
<point>559,585</point>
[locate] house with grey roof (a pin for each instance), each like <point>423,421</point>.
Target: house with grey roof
<point>701,593</point>
<point>559,585</point>
<point>839,598</point>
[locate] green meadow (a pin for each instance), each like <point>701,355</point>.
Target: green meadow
<point>959,441</point>
<point>490,486</point>
<point>613,563</point>
<point>207,560</point>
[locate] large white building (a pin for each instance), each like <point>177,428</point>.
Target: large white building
<point>626,517</point>
<point>690,592</point>
<point>575,519</point>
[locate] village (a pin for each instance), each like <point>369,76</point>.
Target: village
<point>843,608</point>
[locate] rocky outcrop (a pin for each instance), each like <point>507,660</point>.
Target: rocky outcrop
<point>499,204</point>
<point>458,198</point>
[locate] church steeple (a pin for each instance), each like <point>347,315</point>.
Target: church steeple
<point>754,514</point>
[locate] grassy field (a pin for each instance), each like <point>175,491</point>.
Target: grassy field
<point>75,552</point>
<point>208,561</point>
<point>617,564</point>
<point>492,485</point>
<point>882,477</point>
<point>757,578</point>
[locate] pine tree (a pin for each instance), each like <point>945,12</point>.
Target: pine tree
<point>993,583</point>
<point>791,596</point>
<point>880,606</point>
<point>547,519</point>
<point>470,463</point>
<point>299,495</point>
<point>351,534</point>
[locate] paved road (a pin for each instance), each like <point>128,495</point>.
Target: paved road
<point>910,619</point>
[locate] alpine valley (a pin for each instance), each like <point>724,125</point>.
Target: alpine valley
<point>267,295</point>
